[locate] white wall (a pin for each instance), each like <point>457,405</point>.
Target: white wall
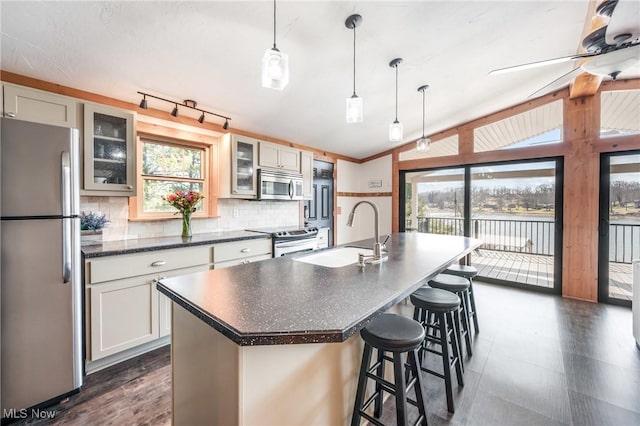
<point>362,178</point>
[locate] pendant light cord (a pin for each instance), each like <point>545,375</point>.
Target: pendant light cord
<point>423,107</point>
<point>396,92</point>
<point>354,60</point>
<point>274,25</point>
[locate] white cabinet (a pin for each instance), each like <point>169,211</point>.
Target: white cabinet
<point>28,104</point>
<point>124,308</point>
<point>239,252</point>
<point>238,161</point>
<point>306,168</point>
<point>323,238</point>
<point>279,157</point>
<point>109,151</point>
<point>124,314</point>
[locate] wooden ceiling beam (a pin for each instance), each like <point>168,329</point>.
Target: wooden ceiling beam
<point>587,84</point>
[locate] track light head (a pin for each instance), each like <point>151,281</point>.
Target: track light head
<point>201,119</point>
<point>143,102</point>
<point>175,111</point>
<point>226,124</point>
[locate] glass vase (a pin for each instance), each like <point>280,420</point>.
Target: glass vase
<point>186,225</point>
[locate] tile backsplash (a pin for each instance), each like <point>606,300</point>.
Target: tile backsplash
<point>233,215</point>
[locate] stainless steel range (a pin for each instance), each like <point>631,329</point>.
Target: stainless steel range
<point>290,240</point>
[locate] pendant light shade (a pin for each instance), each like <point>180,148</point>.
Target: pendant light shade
<point>275,64</point>
<point>424,142</point>
<point>354,103</point>
<point>395,128</point>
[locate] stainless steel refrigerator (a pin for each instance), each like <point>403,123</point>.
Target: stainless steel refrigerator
<point>40,287</point>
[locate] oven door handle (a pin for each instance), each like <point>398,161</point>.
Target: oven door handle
<point>296,243</point>
<point>291,189</point>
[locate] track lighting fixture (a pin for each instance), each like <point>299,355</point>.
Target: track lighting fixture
<point>275,64</point>
<point>354,103</point>
<point>395,128</point>
<point>188,103</point>
<point>424,142</point>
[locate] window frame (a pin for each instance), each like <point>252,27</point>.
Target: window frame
<point>208,144</point>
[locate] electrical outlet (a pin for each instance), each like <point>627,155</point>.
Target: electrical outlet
<point>236,213</point>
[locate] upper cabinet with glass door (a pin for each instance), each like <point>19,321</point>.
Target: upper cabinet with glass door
<point>109,151</point>
<point>238,163</point>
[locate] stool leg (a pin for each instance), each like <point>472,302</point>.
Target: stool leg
<point>401,397</point>
<point>377,405</point>
<point>465,322</point>
<point>456,328</point>
<point>444,343</point>
<point>455,347</point>
<point>362,380</point>
<point>414,365</point>
<point>472,301</point>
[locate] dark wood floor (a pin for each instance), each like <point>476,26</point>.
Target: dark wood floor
<point>538,360</point>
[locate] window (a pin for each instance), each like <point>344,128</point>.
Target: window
<point>166,165</point>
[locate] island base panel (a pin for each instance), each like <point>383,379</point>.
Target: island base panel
<point>217,382</point>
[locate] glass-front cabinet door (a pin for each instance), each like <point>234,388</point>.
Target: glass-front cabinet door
<point>109,150</point>
<point>243,165</point>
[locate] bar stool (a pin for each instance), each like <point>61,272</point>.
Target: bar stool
<point>468,272</point>
<point>459,286</point>
<point>398,335</point>
<point>438,310</point>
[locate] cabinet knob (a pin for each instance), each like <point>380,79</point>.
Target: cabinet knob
<point>245,250</point>
<point>10,114</point>
<point>159,263</point>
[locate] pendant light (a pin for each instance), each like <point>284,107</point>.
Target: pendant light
<point>275,64</point>
<point>423,143</point>
<point>395,128</point>
<point>354,103</point>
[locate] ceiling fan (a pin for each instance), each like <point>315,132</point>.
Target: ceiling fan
<point>610,49</point>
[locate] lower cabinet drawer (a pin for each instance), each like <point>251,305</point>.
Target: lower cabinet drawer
<point>241,249</point>
<point>130,265</point>
<point>235,262</point>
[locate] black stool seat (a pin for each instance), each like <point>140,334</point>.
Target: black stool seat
<point>435,299</point>
<point>393,333</point>
<point>449,282</point>
<point>462,270</point>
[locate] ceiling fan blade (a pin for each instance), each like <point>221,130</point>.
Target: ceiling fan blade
<point>557,83</point>
<point>542,63</point>
<point>624,21</point>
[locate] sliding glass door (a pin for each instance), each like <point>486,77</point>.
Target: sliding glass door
<point>514,211</point>
<point>619,225</point>
<point>515,208</point>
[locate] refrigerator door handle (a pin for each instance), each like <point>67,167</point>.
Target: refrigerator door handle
<point>66,211</point>
<point>65,190</point>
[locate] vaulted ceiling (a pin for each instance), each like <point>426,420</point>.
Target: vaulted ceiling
<point>211,52</point>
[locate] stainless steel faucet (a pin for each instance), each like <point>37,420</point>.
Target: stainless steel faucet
<point>377,246</point>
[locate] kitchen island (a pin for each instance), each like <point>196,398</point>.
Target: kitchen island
<point>275,342</point>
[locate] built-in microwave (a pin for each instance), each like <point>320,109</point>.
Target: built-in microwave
<point>279,185</point>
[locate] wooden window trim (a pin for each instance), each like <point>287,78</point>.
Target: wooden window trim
<point>169,136</point>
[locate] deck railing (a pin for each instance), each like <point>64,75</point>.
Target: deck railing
<point>528,236</point>
<point>624,242</point>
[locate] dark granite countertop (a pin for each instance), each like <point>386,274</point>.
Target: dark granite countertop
<point>110,248</point>
<point>284,301</point>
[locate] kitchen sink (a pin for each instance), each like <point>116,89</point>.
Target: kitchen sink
<point>335,258</point>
